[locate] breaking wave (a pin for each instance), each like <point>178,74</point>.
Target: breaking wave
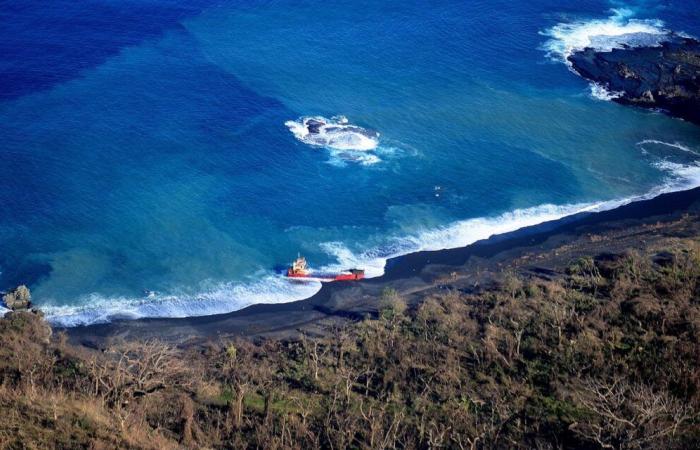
<point>600,92</point>
<point>335,133</point>
<point>218,299</point>
<point>617,31</point>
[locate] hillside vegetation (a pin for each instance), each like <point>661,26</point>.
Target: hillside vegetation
<point>602,353</point>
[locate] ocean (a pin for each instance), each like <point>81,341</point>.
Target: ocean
<point>156,159</point>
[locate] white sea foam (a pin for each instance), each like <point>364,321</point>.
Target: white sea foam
<point>217,299</point>
<point>681,176</point>
<point>335,133</point>
<point>223,298</point>
<point>676,145</point>
<point>616,31</point>
<point>341,158</point>
<point>600,92</point>
<point>370,261</point>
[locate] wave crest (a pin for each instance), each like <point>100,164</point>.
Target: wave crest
<point>617,31</point>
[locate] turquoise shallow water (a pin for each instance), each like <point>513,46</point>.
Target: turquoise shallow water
<point>152,174</point>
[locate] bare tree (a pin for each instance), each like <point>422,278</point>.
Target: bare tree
<point>628,416</point>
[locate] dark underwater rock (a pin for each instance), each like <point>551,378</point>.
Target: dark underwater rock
<point>666,77</point>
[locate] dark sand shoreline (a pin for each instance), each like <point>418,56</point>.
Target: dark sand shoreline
<point>413,276</point>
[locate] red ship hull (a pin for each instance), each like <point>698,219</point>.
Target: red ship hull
<point>353,275</point>
<point>299,270</point>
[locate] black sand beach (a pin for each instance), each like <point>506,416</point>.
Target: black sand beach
<point>534,249</point>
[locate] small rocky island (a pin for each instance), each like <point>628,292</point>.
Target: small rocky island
<point>18,298</point>
<point>666,77</point>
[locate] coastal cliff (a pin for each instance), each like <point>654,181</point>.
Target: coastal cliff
<point>665,77</point>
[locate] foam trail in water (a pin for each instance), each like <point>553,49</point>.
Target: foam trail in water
<point>617,31</point>
<point>342,158</point>
<point>676,145</point>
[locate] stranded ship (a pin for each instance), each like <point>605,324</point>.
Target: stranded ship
<point>300,270</point>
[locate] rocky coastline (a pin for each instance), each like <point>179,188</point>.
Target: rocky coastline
<point>666,77</point>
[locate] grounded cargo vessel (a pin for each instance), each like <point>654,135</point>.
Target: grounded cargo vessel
<point>300,270</point>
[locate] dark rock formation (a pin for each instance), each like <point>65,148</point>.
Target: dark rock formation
<point>665,77</point>
<point>18,298</point>
<point>314,126</point>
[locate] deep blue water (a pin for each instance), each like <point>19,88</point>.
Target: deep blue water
<point>147,168</point>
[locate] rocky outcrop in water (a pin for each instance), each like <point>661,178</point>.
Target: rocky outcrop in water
<point>18,298</point>
<point>665,77</point>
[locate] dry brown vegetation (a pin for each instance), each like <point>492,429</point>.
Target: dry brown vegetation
<point>603,355</point>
